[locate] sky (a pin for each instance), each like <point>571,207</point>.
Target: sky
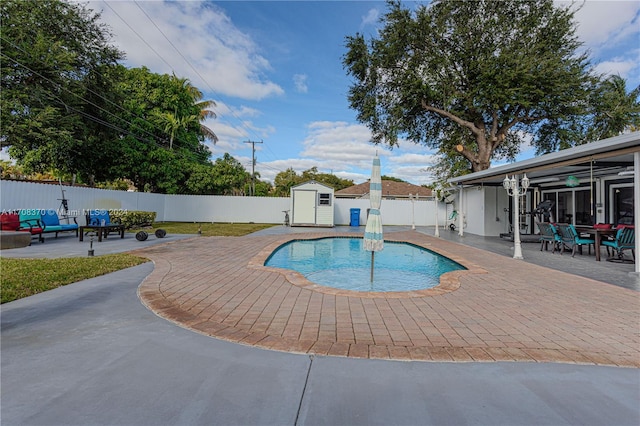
<point>274,69</point>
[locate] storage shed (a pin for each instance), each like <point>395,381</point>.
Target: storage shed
<point>312,204</point>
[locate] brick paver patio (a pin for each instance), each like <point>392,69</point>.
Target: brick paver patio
<point>500,309</point>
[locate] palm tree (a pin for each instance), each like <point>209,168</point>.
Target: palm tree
<point>171,122</point>
<point>615,110</point>
<point>204,114</point>
<point>203,106</point>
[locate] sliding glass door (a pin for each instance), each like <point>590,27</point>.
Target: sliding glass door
<point>623,205</point>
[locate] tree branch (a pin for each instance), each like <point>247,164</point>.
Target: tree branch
<point>444,113</point>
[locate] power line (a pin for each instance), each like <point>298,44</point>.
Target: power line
<point>211,89</point>
<point>93,118</point>
<point>98,95</point>
<point>151,123</point>
<point>154,125</point>
<point>139,36</point>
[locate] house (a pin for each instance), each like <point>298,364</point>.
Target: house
<point>391,190</point>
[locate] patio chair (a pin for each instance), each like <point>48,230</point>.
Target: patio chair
<point>51,223</point>
<point>625,240</point>
<point>30,221</point>
<point>573,240</point>
<point>549,234</point>
<point>101,218</point>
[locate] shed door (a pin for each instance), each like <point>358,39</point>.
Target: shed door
<point>304,207</point>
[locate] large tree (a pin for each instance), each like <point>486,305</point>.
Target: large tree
<point>229,176</point>
<point>55,95</point>
<point>155,157</point>
<point>470,78</point>
<point>611,110</point>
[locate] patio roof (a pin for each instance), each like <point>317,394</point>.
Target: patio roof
<point>606,157</point>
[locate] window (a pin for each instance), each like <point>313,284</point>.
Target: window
<point>572,206</point>
<point>324,199</point>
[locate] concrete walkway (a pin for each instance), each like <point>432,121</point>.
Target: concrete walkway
<point>91,353</point>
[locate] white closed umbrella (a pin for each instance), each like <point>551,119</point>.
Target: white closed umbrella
<point>373,239</point>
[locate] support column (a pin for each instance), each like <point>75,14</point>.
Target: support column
<point>460,214</point>
<point>517,246</point>
<point>636,204</point>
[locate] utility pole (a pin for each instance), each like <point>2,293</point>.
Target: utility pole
<point>253,167</point>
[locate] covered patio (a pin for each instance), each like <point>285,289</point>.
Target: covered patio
<point>588,184</point>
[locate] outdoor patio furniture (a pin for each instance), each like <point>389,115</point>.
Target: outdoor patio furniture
<point>624,240</point>
<point>51,223</point>
<point>12,235</point>
<point>599,233</point>
<point>549,234</point>
<point>9,221</point>
<point>572,239</point>
<point>100,222</point>
<point>30,221</point>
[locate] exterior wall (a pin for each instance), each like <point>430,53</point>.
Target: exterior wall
<point>325,215</point>
<point>473,207</point>
<point>482,209</point>
<point>206,208</point>
<point>496,221</point>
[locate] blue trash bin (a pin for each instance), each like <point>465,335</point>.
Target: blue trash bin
<point>355,217</point>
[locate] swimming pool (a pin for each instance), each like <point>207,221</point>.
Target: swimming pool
<point>342,263</point>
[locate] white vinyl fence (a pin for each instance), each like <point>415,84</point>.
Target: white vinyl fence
<point>15,195</point>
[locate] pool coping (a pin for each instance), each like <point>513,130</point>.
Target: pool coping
<point>449,281</point>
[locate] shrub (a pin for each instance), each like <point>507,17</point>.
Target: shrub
<point>132,218</point>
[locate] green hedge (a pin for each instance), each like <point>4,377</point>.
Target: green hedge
<point>132,218</point>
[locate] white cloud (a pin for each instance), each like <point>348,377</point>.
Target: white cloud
<point>626,67</point>
<point>206,40</point>
<point>609,29</point>
<point>340,143</point>
<point>223,109</point>
<point>300,82</point>
<point>344,149</point>
<point>414,174</point>
<point>599,22</point>
<point>420,160</point>
<point>371,18</point>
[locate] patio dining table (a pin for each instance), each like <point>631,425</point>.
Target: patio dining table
<point>102,230</point>
<point>597,233</point>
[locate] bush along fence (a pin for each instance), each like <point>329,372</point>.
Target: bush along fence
<point>132,219</point>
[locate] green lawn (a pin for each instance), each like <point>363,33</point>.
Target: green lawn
<point>211,229</point>
<point>25,277</point>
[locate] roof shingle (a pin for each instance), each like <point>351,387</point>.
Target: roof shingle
<point>390,189</point>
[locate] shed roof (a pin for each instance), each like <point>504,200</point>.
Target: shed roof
<point>312,182</point>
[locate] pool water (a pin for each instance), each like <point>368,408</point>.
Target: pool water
<point>342,263</point>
